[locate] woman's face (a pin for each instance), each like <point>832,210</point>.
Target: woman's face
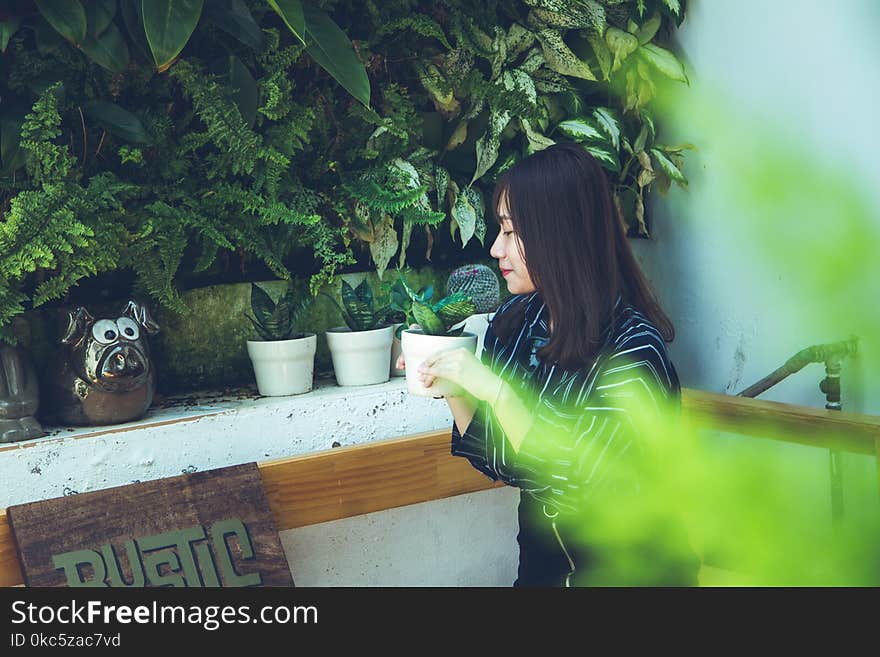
<point>508,250</point>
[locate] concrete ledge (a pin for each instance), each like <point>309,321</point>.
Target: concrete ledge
<point>211,429</point>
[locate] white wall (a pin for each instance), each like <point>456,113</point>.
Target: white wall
<point>742,274</point>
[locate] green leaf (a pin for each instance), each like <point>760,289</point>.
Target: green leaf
<point>8,28</point>
<point>133,17</point>
<point>109,50</point>
<point>168,25</point>
<point>475,199</point>
<point>602,52</point>
<point>560,58</point>
<point>455,308</point>
<point>605,157</point>
<point>234,18</point>
<point>291,12</point>
<point>67,17</point>
<point>585,14</point>
<point>622,45</point>
<point>664,61</point>
<point>261,303</point>
<point>488,144</point>
<point>242,88</point>
<point>332,50</point>
<point>427,319</point>
<point>667,166</point>
<point>641,140</point>
<point>581,129</point>
<point>674,6</point>
<point>465,215</point>
<point>536,141</point>
<point>117,121</point>
<point>649,30</point>
<point>609,124</point>
<point>99,15</point>
<point>384,245</point>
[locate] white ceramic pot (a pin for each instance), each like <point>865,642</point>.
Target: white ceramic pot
<point>417,346</point>
<point>360,358</point>
<point>284,367</point>
<point>396,350</point>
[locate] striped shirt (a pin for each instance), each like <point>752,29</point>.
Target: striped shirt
<point>583,433</point>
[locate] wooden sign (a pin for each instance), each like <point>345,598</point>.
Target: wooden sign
<point>211,528</point>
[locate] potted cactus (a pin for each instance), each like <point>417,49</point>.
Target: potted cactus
<point>438,330</point>
<point>361,350</point>
<point>283,358</point>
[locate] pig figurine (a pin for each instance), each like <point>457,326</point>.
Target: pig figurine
<point>102,373</point>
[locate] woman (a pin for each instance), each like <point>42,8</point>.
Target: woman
<point>574,374</point>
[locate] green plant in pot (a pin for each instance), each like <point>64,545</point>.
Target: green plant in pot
<point>283,357</point>
<point>437,330</point>
<point>361,350</point>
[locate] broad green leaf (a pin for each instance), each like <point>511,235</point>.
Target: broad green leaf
<point>99,14</point>
<point>475,199</point>
<point>499,52</point>
<point>109,50</point>
<point>521,82</point>
<point>536,141</point>
<point>438,87</point>
<point>622,45</point>
<point>133,17</point>
<point>455,308</point>
<point>652,131</point>
<point>609,124</point>
<point>261,303</point>
<point>533,61</point>
<point>242,88</point>
<point>168,25</point>
<point>664,61</point>
<point>384,246</point>
<point>427,319</point>
<point>605,157</point>
<point>291,12</point>
<point>550,82</point>
<point>117,121</point>
<point>581,129</point>
<point>441,184</point>
<point>234,18</point>
<point>488,144</point>
<point>8,27</point>
<point>585,14</point>
<point>560,58</point>
<point>668,167</point>
<point>466,216</point>
<point>332,50</point>
<point>603,54</point>
<point>68,17</point>
<point>641,140</point>
<point>647,31</point>
<point>519,39</point>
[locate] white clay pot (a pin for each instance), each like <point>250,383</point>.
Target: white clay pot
<point>417,346</point>
<point>360,358</point>
<point>283,367</point>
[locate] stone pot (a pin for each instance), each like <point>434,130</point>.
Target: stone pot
<point>360,358</point>
<point>417,346</point>
<point>284,367</point>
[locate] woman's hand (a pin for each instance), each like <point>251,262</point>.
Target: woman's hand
<point>458,368</point>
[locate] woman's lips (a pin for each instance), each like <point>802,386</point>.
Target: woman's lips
<point>505,272</point>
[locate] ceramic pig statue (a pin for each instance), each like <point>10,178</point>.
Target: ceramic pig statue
<point>102,374</point>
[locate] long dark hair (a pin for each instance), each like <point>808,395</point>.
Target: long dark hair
<point>576,252</point>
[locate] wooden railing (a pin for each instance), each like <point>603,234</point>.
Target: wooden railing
<point>350,481</point>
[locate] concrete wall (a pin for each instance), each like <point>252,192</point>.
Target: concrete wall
<point>750,276</point>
